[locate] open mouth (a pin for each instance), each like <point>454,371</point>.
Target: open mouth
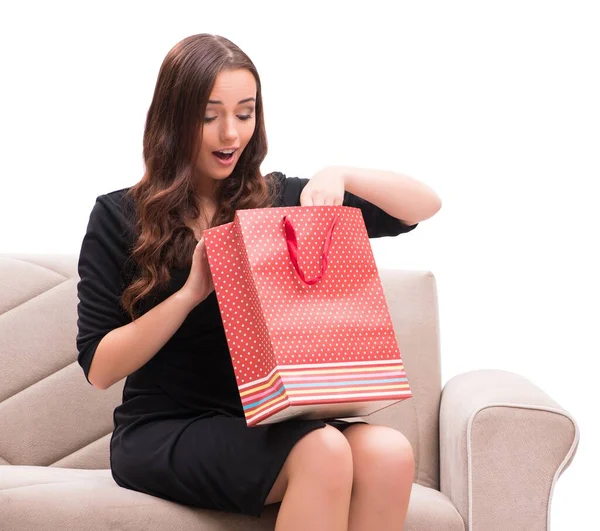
<point>223,156</point>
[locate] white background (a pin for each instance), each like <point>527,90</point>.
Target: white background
<point>495,105</point>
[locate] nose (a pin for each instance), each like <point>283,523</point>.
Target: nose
<point>228,131</point>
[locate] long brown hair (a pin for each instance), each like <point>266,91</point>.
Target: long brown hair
<point>166,195</point>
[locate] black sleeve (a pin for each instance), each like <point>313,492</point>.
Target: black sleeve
<point>100,267</point>
<point>378,222</point>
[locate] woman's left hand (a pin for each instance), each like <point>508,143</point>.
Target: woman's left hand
<point>325,187</point>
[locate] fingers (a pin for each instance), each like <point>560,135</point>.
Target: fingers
<point>320,201</point>
<point>306,201</point>
<point>200,246</point>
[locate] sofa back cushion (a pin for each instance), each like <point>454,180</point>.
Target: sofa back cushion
<point>51,416</point>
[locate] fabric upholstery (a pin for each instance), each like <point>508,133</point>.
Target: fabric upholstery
<point>470,439</point>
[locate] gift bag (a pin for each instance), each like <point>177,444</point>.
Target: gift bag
<point>304,312</point>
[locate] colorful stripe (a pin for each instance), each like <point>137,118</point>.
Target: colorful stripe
<point>306,366</point>
<point>323,400</point>
<point>260,384</point>
<point>323,384</point>
<point>337,377</point>
<point>312,388</point>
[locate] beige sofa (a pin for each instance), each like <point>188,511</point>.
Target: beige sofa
<point>489,446</point>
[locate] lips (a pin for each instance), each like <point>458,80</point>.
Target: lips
<point>223,156</point>
<point>224,161</point>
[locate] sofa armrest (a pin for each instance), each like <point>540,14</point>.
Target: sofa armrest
<point>503,444</point>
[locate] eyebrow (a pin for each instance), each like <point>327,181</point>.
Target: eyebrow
<point>239,102</point>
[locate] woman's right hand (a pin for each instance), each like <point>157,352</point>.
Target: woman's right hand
<point>199,283</point>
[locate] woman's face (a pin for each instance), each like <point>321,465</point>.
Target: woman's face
<point>228,124</point>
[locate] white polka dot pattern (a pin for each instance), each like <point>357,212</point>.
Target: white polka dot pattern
<point>297,347</point>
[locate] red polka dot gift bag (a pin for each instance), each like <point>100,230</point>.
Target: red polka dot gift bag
<point>305,317</point>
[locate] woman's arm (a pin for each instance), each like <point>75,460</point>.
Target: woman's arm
<point>125,349</point>
<point>400,196</point>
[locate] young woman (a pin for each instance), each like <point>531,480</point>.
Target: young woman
<point>147,311</point>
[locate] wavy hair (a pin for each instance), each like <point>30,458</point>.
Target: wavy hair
<point>166,194</point>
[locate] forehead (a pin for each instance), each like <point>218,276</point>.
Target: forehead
<point>232,86</point>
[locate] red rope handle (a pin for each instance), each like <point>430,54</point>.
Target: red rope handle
<point>292,244</point>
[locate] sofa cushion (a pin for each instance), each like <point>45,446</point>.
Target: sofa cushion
<point>65,498</point>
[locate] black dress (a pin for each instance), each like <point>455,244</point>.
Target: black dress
<point>180,433</point>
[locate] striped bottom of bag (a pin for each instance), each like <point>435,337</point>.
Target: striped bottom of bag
<point>324,390</point>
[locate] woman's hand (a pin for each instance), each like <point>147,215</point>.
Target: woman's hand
<point>199,283</point>
<point>325,187</point>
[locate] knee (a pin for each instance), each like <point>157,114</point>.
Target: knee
<point>324,457</point>
<point>381,454</point>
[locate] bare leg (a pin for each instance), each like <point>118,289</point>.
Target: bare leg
<point>315,483</point>
<point>383,464</point>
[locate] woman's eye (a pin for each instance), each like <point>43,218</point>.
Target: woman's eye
<point>243,118</point>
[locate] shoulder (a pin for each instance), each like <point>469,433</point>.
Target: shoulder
<point>113,211</point>
<point>116,201</point>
